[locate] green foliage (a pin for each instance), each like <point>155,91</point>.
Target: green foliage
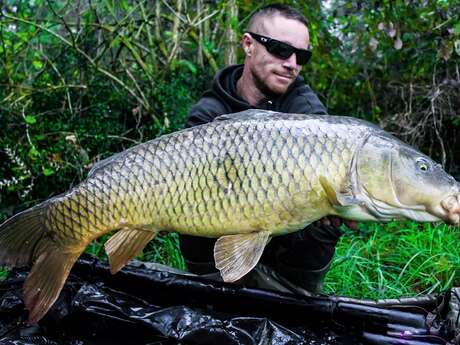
<point>65,104</point>
<point>393,63</point>
<point>3,273</point>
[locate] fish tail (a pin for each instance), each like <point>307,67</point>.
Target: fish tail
<point>20,235</point>
<point>25,240</point>
<point>46,279</point>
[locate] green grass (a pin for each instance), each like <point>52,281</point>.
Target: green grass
<point>164,249</point>
<point>3,273</point>
<point>395,260</point>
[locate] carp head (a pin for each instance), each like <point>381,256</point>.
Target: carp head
<point>396,181</point>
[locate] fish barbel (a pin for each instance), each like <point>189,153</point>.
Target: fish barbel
<point>242,179</point>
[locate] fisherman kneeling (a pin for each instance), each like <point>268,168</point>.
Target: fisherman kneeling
<point>276,46</point>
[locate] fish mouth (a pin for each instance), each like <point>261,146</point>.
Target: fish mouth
<point>451,206</point>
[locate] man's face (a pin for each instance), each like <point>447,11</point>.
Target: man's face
<point>271,74</point>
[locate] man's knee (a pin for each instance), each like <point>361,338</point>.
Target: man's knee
<point>198,253</point>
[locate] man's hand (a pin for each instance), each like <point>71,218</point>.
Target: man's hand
<point>336,222</point>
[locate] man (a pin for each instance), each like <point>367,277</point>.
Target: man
<point>276,46</point>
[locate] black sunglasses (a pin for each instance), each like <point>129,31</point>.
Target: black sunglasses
<point>282,50</point>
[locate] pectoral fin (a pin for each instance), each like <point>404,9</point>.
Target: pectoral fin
<point>345,204</point>
<point>236,255</point>
<point>337,199</point>
<point>329,190</point>
<point>125,245</point>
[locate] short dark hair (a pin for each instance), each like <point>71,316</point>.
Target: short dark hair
<point>279,9</point>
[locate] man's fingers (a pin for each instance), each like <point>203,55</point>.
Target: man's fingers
<point>351,224</point>
<point>323,221</point>
<point>337,222</point>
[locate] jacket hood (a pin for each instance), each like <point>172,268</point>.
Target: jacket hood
<point>224,85</point>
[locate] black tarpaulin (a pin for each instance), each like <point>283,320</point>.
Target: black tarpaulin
<point>152,304</point>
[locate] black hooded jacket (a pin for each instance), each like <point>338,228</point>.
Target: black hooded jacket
<point>222,98</point>
<point>311,249</point>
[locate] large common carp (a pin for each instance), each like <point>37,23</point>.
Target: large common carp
<point>242,178</point>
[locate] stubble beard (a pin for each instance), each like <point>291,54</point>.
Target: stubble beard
<point>264,88</point>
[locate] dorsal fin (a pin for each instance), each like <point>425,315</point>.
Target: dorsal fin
<point>103,163</point>
<point>259,114</point>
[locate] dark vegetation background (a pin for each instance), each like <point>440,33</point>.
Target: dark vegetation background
<point>83,79</point>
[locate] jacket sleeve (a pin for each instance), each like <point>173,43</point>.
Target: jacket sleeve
<point>306,102</point>
<point>204,111</point>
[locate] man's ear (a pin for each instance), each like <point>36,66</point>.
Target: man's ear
<point>247,44</point>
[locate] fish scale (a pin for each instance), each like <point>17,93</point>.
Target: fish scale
<point>242,178</point>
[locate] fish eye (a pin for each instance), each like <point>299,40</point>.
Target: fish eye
<point>423,165</point>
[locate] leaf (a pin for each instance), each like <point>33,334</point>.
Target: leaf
<point>37,64</point>
<point>45,38</point>
<point>184,63</point>
<point>115,43</point>
<point>189,65</point>
<point>234,23</point>
<point>33,153</point>
<point>456,121</point>
<point>48,171</point>
<point>457,29</point>
<point>30,119</point>
<point>124,4</point>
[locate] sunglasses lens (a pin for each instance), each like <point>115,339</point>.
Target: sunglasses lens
<point>303,56</point>
<point>280,50</point>
<point>284,51</point>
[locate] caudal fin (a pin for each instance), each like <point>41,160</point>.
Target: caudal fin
<point>46,279</point>
<point>24,240</point>
<point>20,235</point>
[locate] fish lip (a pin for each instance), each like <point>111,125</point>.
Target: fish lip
<point>451,207</point>
<point>455,219</point>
